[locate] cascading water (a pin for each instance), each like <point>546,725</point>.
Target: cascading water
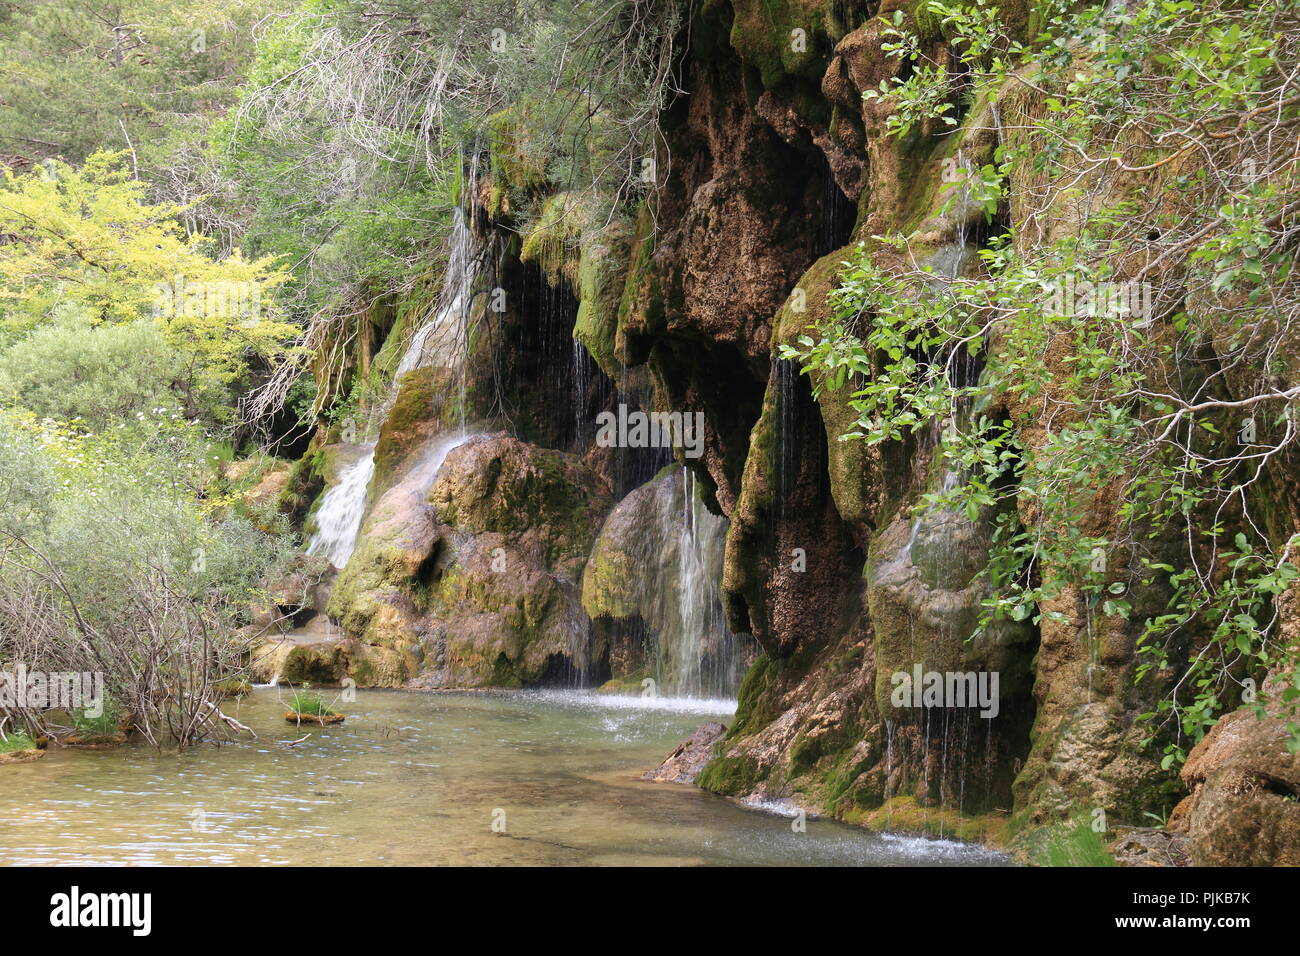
<point>440,341</point>
<point>697,656</point>
<point>338,519</point>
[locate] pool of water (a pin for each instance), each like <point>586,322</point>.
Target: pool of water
<point>420,779</point>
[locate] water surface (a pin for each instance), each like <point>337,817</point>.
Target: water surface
<point>419,779</point>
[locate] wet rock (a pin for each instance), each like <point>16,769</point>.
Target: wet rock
<point>1245,803</point>
<point>1150,846</point>
<point>650,587</point>
<point>471,575</point>
<point>515,523</point>
<point>320,653</point>
<point>684,764</point>
<point>21,756</point>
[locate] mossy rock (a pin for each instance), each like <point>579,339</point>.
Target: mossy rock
<point>551,241</point>
<point>628,686</point>
<point>905,815</point>
<point>602,270</point>
<point>497,484</point>
<point>729,776</point>
<point>426,404</point>
<point>785,38</point>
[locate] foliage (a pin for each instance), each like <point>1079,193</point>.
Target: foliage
<point>1070,844</point>
<point>100,375</point>
<point>101,725</point>
<point>115,559</point>
<point>304,702</point>
<point>15,740</point>
<point>1142,346</point>
<point>359,128</point>
<point>84,244</point>
<point>141,75</point>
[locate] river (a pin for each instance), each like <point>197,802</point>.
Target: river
<point>420,779</point>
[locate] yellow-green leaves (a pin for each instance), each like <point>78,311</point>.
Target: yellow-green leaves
<point>87,242</point>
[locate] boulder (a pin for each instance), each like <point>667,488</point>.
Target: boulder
<point>651,589</point>
<point>470,570</point>
<point>1245,783</point>
<point>684,764</point>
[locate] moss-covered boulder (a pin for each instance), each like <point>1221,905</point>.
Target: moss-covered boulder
<point>469,565</point>
<point>1245,802</point>
<point>516,523</point>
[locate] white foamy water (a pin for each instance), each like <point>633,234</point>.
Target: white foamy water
<point>676,705</point>
<point>441,340</point>
<point>338,519</point>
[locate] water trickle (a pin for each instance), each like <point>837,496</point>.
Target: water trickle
<point>338,519</point>
<point>441,340</point>
<point>695,654</point>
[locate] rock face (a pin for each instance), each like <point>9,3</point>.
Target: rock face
<point>1244,809</point>
<point>824,564</point>
<point>473,575</point>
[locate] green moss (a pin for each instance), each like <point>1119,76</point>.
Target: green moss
<point>845,789</point>
<point>426,400</point>
<point>551,241</point>
<point>604,584</point>
<point>753,711</point>
<point>517,161</point>
<point>629,684</point>
<point>602,269</point>
<point>784,38</point>
<point>905,815</point>
<point>729,776</point>
<point>306,482</point>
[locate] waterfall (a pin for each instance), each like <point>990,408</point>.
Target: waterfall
<point>696,655</point>
<point>420,479</point>
<point>338,519</point>
<point>440,341</point>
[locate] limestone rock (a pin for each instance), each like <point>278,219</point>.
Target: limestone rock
<point>472,574</point>
<point>684,764</point>
<point>1245,808</point>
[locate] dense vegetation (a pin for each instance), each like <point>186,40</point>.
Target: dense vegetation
<point>200,201</point>
<point>1134,330</point>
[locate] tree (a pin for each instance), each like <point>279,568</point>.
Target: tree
<point>85,243</point>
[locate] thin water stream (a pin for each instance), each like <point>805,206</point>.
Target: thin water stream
<point>419,779</point>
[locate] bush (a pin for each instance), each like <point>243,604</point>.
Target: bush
<point>113,560</point>
<point>101,375</point>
